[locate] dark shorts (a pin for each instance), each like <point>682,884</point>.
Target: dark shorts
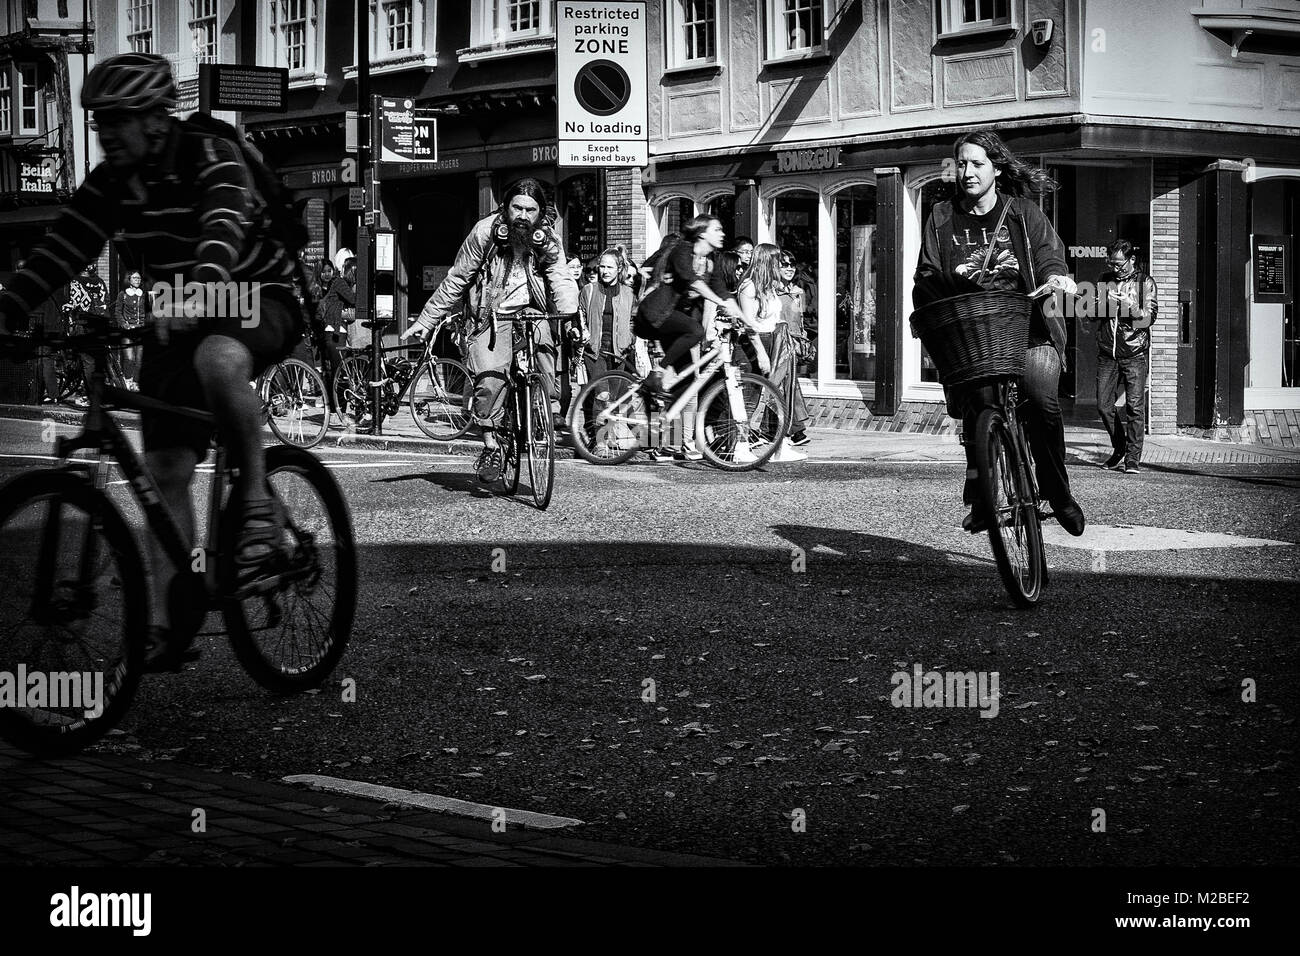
<point>167,371</point>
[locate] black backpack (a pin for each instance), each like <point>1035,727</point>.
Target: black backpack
<point>286,228</point>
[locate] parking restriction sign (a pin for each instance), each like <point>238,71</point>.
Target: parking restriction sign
<point>601,83</point>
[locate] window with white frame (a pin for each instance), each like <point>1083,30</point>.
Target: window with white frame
<point>795,27</point>
<point>29,100</point>
<point>203,30</point>
<point>139,26</point>
<point>6,100</point>
<point>396,27</point>
<point>692,27</point>
<point>960,16</point>
<point>293,34</point>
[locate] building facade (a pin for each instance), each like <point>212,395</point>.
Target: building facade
<point>824,126</point>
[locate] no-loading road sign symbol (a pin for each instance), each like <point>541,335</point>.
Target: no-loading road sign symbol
<point>602,87</point>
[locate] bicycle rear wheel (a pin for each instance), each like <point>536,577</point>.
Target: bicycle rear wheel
<point>740,426</point>
<point>290,626</point>
<point>441,397</point>
<point>540,439</point>
<point>352,386</point>
<point>73,610</point>
<point>297,407</point>
<point>1015,534</point>
<point>608,419</point>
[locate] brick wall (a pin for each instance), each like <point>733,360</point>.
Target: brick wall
<point>625,211</point>
<point>1164,269</point>
<point>930,418</point>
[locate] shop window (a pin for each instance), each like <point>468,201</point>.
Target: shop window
<point>6,100</point>
<point>203,30</point>
<point>692,32</point>
<point>674,214</point>
<point>498,22</point>
<point>855,284</point>
<point>723,209</point>
<point>581,210</point>
<point>29,100</point>
<point>139,26</point>
<point>973,16</point>
<point>795,223</point>
<point>795,28</point>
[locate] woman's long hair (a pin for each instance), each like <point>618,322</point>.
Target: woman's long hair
<point>1018,177</point>
<point>765,270</point>
<point>729,268</point>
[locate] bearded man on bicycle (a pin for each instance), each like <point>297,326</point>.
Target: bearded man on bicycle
<point>179,200</point>
<point>512,260</point>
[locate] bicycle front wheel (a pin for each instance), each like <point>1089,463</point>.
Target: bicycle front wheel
<point>441,397</point>
<point>289,625</point>
<point>73,611</point>
<point>1015,534</point>
<point>740,423</point>
<point>297,408</point>
<point>608,419</point>
<point>541,445</point>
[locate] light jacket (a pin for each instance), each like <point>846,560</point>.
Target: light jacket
<point>480,271</point>
<point>1123,332</point>
<point>1037,248</point>
<point>591,303</point>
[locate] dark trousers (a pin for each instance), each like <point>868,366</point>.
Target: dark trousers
<point>679,333</point>
<point>45,384</point>
<point>1125,425</point>
<point>1043,422</point>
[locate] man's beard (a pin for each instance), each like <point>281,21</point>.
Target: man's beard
<point>521,231</point>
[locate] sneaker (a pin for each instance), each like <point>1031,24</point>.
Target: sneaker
<point>1070,516</point>
<point>1132,468</point>
<point>688,452</point>
<point>799,438</point>
<point>660,454</point>
<point>1115,462</point>
<point>557,420</point>
<point>743,455</point>
<point>489,465</point>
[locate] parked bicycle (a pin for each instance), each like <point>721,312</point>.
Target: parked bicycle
<point>982,337</point>
<point>295,403</point>
<point>75,601</point>
<point>739,424</point>
<point>437,389</point>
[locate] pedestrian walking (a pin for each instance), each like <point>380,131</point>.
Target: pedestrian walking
<point>130,310</point>
<point>1126,311</point>
<point>770,348</point>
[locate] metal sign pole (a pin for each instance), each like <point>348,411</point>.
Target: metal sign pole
<point>365,239</point>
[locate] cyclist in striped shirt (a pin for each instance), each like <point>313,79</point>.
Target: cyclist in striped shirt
<point>179,203</point>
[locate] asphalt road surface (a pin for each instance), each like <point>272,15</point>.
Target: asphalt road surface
<point>706,663</point>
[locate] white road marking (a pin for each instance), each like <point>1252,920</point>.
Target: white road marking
<point>430,801</point>
<point>1102,537</point>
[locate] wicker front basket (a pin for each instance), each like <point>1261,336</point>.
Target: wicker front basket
<point>974,336</point>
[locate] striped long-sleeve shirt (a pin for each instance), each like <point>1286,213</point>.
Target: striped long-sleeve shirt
<point>191,213</point>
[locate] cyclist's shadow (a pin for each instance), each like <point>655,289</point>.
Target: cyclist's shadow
<point>459,481</point>
<point>845,544</point>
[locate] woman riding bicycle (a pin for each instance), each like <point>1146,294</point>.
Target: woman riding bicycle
<point>672,313</point>
<point>994,207</point>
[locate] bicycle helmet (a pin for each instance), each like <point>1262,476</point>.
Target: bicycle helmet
<point>130,81</point>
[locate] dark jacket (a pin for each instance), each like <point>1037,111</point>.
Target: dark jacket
<point>1037,247</point>
<point>338,296</point>
<point>130,311</point>
<point>591,303</point>
<point>1123,332</point>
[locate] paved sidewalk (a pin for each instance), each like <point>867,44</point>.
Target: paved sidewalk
<point>1083,445</point>
<point>92,810</point>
